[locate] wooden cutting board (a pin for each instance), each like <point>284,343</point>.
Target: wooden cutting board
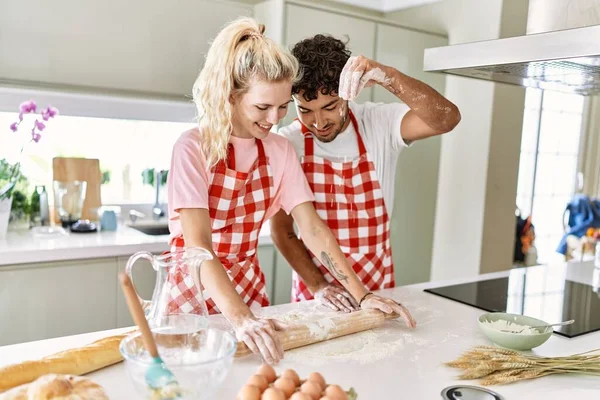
<point>69,169</point>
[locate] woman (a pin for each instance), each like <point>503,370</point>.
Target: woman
<point>229,175</point>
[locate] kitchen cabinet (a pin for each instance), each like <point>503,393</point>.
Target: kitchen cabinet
<point>417,170</point>
<point>154,48</point>
<point>403,49</point>
<point>266,257</point>
<point>46,300</point>
<point>282,291</point>
<point>277,273</point>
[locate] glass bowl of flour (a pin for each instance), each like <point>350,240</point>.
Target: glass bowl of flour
<point>514,331</point>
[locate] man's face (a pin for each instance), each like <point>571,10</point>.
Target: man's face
<point>325,117</point>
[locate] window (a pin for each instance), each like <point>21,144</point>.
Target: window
<point>124,147</point>
<point>126,135</point>
<point>548,166</point>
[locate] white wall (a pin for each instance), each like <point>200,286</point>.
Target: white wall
<point>474,223</point>
<point>139,45</point>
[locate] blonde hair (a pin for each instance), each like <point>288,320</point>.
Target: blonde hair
<point>238,54</point>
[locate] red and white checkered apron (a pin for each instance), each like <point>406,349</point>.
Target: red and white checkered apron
<point>238,203</point>
<point>349,199</point>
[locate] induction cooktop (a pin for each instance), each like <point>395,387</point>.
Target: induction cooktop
<point>551,300</point>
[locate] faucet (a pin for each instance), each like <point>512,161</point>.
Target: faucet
<point>157,210</point>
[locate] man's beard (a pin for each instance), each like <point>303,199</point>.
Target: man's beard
<point>339,130</point>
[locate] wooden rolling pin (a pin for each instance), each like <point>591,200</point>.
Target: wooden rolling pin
<point>306,333</point>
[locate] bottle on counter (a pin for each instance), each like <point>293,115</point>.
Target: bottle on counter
<point>40,213</point>
<point>44,207</point>
<point>35,219</point>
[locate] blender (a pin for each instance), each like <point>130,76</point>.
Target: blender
<point>68,200</point>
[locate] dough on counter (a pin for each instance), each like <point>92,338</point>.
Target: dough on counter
<point>57,387</point>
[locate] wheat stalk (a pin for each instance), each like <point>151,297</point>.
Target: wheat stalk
<point>495,366</point>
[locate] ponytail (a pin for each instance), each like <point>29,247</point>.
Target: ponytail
<point>239,53</point>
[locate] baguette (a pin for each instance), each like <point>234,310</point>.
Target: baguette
<point>78,361</point>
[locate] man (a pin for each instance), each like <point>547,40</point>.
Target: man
<point>349,153</point>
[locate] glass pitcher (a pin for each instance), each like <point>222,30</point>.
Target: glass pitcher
<point>177,303</point>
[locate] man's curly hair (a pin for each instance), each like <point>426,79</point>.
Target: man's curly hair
<point>322,59</point>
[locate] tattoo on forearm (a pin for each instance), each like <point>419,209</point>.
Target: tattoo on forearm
<point>332,267</point>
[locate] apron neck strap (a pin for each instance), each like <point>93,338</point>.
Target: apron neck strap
<point>231,154</point>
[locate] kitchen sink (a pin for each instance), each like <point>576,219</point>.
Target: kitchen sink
<point>153,228</point>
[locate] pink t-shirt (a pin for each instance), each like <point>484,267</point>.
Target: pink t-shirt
<point>189,177</point>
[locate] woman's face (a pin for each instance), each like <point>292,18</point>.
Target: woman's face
<point>264,104</point>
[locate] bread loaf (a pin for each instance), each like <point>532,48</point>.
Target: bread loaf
<point>78,361</point>
<point>57,387</point>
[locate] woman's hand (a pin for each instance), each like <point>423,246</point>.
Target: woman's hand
<point>259,334</point>
<point>388,306</point>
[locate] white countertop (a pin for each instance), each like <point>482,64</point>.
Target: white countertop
<point>22,247</point>
<point>415,370</point>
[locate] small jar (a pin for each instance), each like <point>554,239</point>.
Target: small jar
<point>109,218</point>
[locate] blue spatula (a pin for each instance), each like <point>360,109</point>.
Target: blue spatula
<point>158,377</point>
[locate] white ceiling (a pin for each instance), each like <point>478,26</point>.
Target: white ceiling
<point>386,5</point>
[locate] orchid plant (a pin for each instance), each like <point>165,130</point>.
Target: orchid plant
<point>13,174</point>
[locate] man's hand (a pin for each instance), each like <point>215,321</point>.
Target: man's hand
<point>358,73</point>
<point>336,298</point>
<point>388,306</point>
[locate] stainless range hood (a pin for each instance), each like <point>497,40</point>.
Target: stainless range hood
<point>566,60</point>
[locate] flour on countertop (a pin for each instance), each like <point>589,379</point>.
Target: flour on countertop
<point>362,347</point>
<point>369,346</point>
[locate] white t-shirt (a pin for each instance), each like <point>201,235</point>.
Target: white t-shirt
<point>379,126</point>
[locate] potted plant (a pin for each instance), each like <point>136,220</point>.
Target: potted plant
<point>20,207</point>
<point>10,174</point>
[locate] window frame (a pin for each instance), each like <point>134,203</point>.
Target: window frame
<point>103,104</point>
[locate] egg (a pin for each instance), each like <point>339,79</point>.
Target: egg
<point>259,381</point>
<point>300,396</point>
<point>291,374</point>
<point>335,392</point>
<point>286,385</point>
<point>273,394</point>
<point>268,372</point>
<point>317,377</point>
<point>313,389</point>
<point>248,392</point>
